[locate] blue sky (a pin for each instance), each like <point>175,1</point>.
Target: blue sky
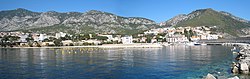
<point>157,10</point>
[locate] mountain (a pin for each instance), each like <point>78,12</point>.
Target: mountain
<point>95,21</point>
<point>226,22</point>
<point>73,22</point>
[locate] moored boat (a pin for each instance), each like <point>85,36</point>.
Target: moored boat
<point>192,43</point>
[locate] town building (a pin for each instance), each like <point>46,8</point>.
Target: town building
<point>177,39</point>
<point>60,34</point>
<point>152,31</point>
<point>127,40</point>
<point>23,38</point>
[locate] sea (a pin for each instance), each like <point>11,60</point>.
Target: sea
<point>169,62</point>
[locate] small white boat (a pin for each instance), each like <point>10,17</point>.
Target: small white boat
<point>203,44</point>
<point>192,43</point>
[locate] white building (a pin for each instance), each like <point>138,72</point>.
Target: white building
<point>60,34</point>
<point>41,37</point>
<point>35,37</point>
<point>23,38</point>
<point>177,39</point>
<point>152,31</point>
<point>127,40</point>
<point>212,37</point>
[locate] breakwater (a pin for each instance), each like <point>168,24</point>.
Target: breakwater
<point>242,64</point>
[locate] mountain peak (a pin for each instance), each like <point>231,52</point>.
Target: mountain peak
<point>226,22</point>
<point>94,12</point>
<point>210,9</point>
<point>22,10</point>
<point>199,11</point>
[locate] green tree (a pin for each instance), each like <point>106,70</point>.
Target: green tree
<point>67,37</point>
<point>185,33</point>
<point>188,34</point>
<point>159,38</point>
<point>149,38</point>
<point>101,37</point>
<point>191,33</point>
<point>4,41</point>
<point>46,40</point>
<point>13,39</point>
<point>30,40</point>
<point>58,42</point>
<point>9,40</point>
<point>86,36</point>
<point>77,37</point>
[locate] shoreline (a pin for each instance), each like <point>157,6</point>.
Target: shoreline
<point>135,45</point>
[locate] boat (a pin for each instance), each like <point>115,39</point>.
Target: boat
<point>203,44</point>
<point>193,43</point>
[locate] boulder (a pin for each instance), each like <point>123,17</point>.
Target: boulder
<point>210,76</point>
<point>235,69</point>
<point>244,68</point>
<point>235,77</point>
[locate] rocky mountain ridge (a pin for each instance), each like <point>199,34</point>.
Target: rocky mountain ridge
<point>225,22</point>
<point>95,21</point>
<point>22,19</point>
<point>183,17</point>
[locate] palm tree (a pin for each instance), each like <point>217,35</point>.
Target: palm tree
<point>13,39</point>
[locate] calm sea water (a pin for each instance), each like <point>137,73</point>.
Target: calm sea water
<point>172,62</point>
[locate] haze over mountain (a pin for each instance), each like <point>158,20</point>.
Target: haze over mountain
<point>103,22</point>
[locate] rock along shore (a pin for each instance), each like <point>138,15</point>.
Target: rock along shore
<point>242,64</point>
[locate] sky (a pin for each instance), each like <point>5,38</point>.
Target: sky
<point>157,10</point>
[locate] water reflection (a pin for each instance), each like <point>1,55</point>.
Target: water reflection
<point>122,63</point>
